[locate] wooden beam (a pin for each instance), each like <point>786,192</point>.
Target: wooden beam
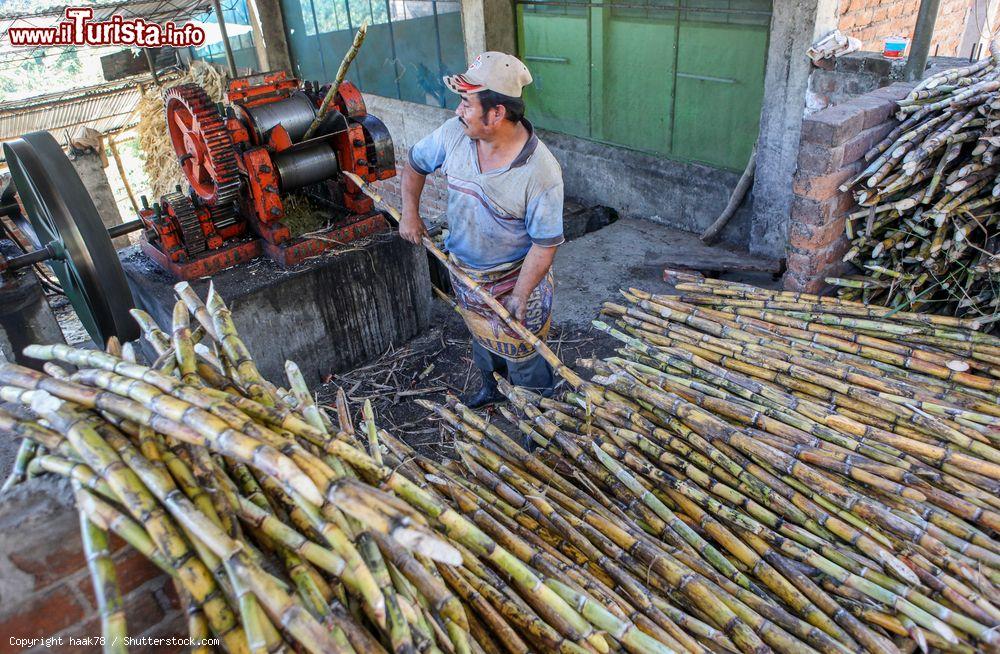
<point>121,172</point>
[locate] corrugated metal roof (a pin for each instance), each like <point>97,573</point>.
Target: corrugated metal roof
<point>106,107</point>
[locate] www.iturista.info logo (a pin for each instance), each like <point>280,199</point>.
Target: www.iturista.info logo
<point>79,28</point>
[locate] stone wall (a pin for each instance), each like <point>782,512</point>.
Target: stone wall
<point>871,21</point>
<point>45,586</point>
<point>831,152</point>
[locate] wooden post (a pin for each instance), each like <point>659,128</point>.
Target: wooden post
<point>121,172</point>
<point>226,45</point>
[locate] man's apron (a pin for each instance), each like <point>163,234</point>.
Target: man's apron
<point>487,328</point>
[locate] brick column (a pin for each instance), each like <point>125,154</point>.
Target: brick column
<point>831,152</point>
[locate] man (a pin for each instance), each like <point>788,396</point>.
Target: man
<point>505,204</point>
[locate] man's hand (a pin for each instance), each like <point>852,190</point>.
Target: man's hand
<point>412,228</point>
<point>517,305</point>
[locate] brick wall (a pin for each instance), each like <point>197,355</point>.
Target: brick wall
<point>834,81</point>
<point>408,123</point>
<point>873,20</point>
<point>45,586</point>
<point>433,201</point>
<point>831,151</point>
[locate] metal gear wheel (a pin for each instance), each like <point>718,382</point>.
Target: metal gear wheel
<point>202,143</point>
<point>183,211</point>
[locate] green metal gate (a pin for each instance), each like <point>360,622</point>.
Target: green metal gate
<point>681,78</point>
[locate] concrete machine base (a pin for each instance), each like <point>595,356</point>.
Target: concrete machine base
<point>328,314</point>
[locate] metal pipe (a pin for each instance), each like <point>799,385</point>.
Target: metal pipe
<point>29,259</point>
<point>920,45</point>
<point>124,228</point>
<point>220,19</point>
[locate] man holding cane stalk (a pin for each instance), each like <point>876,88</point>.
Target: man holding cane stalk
<point>505,205</point>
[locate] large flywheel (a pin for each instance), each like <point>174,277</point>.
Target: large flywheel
<point>64,222</point>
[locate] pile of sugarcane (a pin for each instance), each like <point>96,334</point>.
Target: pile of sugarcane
<point>926,234</point>
<point>282,529</point>
<point>757,471</point>
<point>821,475</point>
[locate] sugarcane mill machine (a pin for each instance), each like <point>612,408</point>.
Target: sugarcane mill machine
<point>246,164</point>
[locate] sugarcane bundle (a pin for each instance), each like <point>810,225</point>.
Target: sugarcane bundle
<point>830,466</point>
<point>757,471</point>
<point>749,480</point>
<point>284,529</point>
<point>159,158</point>
<point>926,234</point>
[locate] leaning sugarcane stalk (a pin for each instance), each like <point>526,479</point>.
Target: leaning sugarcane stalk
<point>540,347</point>
<point>331,95</point>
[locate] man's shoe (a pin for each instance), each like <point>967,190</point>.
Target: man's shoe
<point>485,396</point>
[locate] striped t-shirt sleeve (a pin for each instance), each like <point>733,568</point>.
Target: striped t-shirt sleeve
<point>544,217</point>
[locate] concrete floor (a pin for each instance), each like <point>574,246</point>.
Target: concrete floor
<point>590,270</point>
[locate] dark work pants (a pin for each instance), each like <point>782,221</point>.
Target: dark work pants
<point>533,373</point>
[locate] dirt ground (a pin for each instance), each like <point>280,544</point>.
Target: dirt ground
<point>431,366</point>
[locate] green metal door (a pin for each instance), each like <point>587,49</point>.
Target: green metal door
<point>680,78</point>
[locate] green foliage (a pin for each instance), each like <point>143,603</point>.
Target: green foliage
<point>27,73</point>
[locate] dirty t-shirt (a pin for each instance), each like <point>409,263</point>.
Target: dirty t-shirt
<point>494,217</point>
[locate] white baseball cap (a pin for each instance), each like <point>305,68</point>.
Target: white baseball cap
<point>493,71</point>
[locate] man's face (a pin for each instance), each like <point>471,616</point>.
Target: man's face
<point>477,123</point>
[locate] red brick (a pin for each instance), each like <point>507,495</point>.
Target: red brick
<point>878,109</point>
<point>836,268</point>
<point>132,570</point>
<point>832,126</point>
<point>811,212</point>
<point>167,596</point>
<point>53,560</point>
<point>809,239</point>
<point>793,281</point>
<point>142,610</point>
<point>45,613</point>
<point>823,187</point>
<point>806,267</point>
<point>819,159</point>
<point>855,149</point>
<point>800,264</point>
<point>814,285</point>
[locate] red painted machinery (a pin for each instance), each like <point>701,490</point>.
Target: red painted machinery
<point>249,168</point>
